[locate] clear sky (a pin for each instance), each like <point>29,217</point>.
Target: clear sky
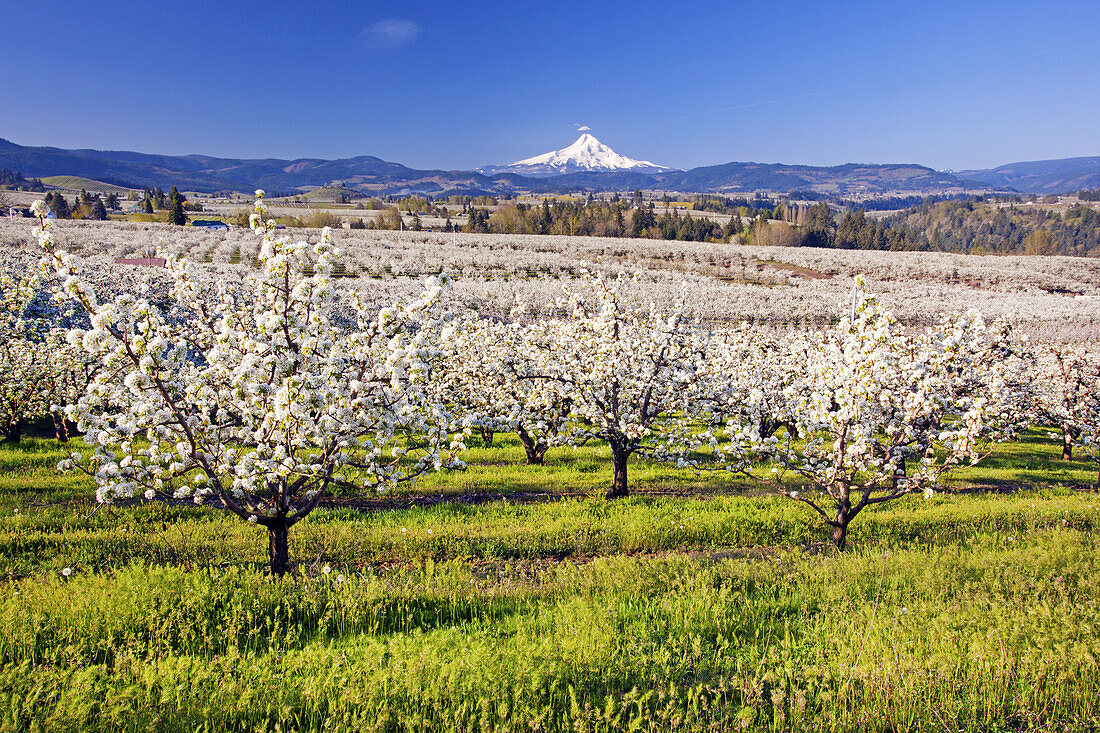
<point>459,84</point>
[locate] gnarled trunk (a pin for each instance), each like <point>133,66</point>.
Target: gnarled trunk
<point>278,551</point>
<point>1067,445</point>
<point>15,432</point>
<point>844,516</point>
<point>536,454</point>
<point>60,429</point>
<point>535,451</point>
<point>619,457</point>
<point>486,436</point>
<point>840,535</point>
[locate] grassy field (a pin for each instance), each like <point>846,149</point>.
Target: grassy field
<point>697,604</point>
<point>77,183</point>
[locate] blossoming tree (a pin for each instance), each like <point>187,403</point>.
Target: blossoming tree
<point>883,413</point>
<point>755,373</point>
<point>22,358</point>
<point>1068,393</point>
<point>632,376</point>
<point>251,397</point>
<point>491,378</point>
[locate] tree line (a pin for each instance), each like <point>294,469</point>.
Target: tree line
<point>14,181</point>
<point>970,226</point>
<point>85,205</point>
<point>597,218</point>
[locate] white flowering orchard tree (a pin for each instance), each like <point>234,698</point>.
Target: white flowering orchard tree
<point>23,360</point>
<point>883,413</point>
<point>251,397</point>
<point>69,370</point>
<point>1068,393</point>
<point>632,376</point>
<point>473,379</point>
<point>490,377</point>
<point>40,369</point>
<point>757,375</point>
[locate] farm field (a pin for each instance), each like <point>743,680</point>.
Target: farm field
<point>696,606</point>
<point>492,595</point>
<point>77,184</point>
<point>1048,297</point>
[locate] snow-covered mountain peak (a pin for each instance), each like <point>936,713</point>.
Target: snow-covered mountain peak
<point>586,154</point>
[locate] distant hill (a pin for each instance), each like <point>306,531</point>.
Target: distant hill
<point>329,193</point>
<point>1065,175</point>
<point>847,179</point>
<point>206,173</point>
<point>77,183</point>
<point>373,176</point>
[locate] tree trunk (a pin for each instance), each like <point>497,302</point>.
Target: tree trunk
<point>1067,445</point>
<point>486,435</point>
<point>840,534</point>
<point>619,458</point>
<point>60,429</point>
<point>535,451</point>
<point>535,454</point>
<point>15,432</point>
<point>278,551</point>
<point>844,516</point>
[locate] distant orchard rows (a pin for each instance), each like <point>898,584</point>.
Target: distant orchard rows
<point>1053,297</point>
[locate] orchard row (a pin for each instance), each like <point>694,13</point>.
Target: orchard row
<point>262,394</point>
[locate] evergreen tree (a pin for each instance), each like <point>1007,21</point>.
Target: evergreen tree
<point>642,221</point>
<point>478,221</point>
<point>147,205</point>
<point>175,209</point>
<point>99,211</point>
<point>545,219</point>
<point>820,226</point>
<point>59,206</point>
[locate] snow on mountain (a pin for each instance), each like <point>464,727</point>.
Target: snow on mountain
<point>587,154</point>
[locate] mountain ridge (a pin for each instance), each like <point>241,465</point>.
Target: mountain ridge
<point>1055,175</point>
<point>374,176</point>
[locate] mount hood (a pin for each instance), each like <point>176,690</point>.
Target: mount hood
<point>586,155</point>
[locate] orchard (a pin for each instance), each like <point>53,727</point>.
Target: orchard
<point>263,396</point>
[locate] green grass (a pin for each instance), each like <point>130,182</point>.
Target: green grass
<point>698,604</point>
<point>1034,460</point>
<point>77,183</point>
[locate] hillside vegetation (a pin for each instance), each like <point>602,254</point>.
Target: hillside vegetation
<point>954,226</point>
<point>79,183</point>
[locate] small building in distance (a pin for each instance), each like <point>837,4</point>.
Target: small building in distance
<point>209,224</point>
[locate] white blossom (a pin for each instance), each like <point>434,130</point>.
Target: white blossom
<point>262,367</point>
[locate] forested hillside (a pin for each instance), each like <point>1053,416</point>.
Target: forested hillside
<point>943,226</point>
<point>956,226</point>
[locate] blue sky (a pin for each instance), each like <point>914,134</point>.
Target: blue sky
<point>459,84</point>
